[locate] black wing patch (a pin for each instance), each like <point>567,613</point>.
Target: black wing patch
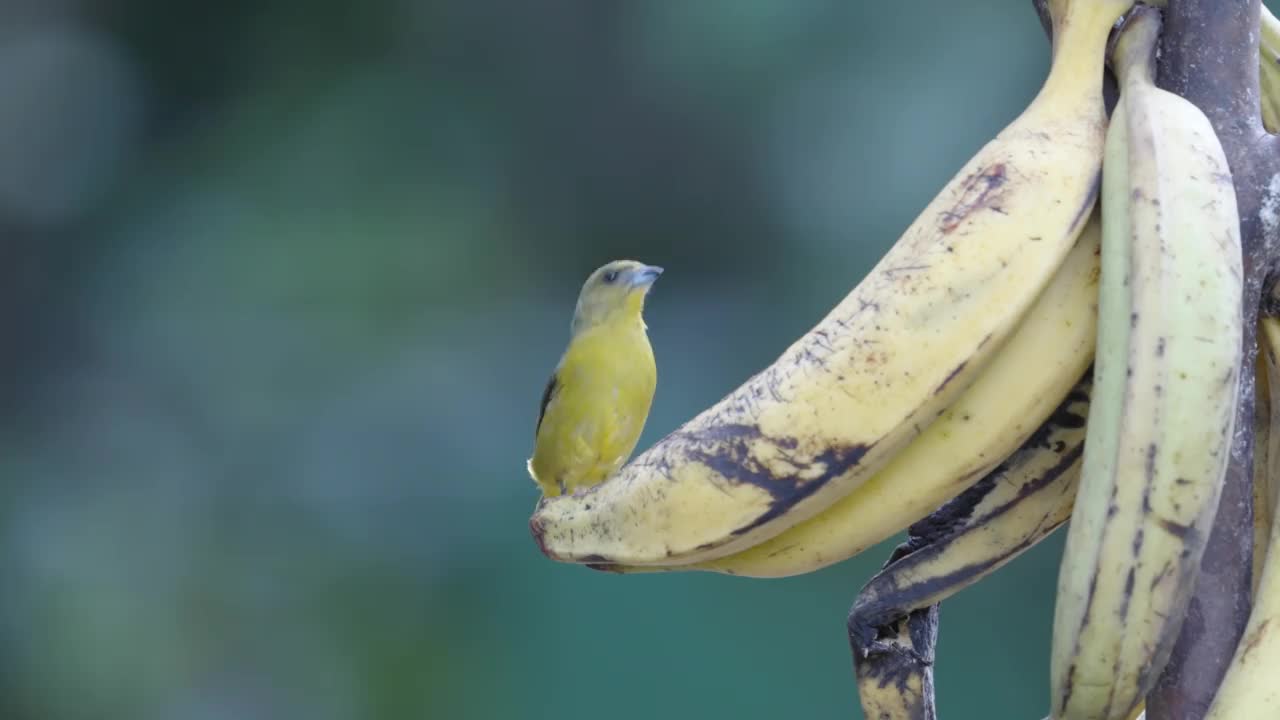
<point>546,398</point>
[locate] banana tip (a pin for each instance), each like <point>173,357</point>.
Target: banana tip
<point>536,529</point>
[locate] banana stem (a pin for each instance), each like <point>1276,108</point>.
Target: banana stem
<point>1209,55</point>
<point>1110,91</point>
<point>897,682</point>
<point>1135,51</point>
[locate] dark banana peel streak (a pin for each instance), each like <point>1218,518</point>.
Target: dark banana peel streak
<point>896,683</point>
<point>893,623</point>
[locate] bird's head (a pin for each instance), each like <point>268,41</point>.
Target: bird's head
<point>615,290</point>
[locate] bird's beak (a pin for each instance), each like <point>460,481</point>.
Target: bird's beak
<point>646,275</point>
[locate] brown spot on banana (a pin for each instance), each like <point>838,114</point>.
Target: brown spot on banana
<point>734,451</point>
<point>981,190</point>
<point>732,457</point>
<point>950,377</point>
<point>1251,642</point>
<point>1179,530</point>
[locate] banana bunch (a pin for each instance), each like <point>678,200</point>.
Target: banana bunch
<point>1057,336</point>
<point>841,406</point>
<point>1166,374</point>
<point>965,443</point>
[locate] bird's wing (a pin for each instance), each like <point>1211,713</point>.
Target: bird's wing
<point>552,384</point>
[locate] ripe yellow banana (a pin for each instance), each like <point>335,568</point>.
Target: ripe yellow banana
<point>1028,497</point>
<point>1048,352</point>
<point>1166,375</point>
<point>886,362</point>
<point>1249,689</point>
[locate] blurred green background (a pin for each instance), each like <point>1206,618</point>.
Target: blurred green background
<point>280,286</point>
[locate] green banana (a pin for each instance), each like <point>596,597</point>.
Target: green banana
<point>1166,377</point>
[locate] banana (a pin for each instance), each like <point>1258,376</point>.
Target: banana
<point>897,682</point>
<point>1139,713</point>
<point>1249,689</point>
<point>886,362</point>
<point>1269,69</point>
<point>1266,450</point>
<point>1166,375</point>
<point>1019,390</point>
<point>1263,420</point>
<point>893,624</point>
<point>1028,497</point>
<point>1269,332</point>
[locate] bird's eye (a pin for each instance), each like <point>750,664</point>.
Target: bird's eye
<point>611,276</point>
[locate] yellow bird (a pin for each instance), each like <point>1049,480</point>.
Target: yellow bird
<point>596,402</point>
